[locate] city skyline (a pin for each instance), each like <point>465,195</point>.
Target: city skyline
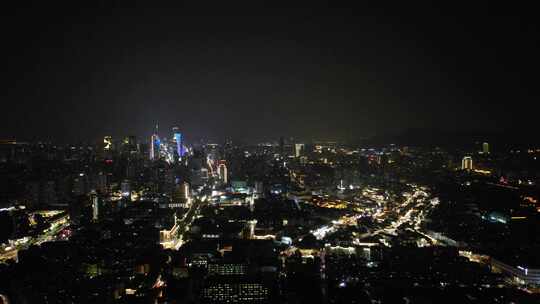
<point>246,153</point>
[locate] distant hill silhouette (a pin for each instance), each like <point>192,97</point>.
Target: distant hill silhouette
<point>455,139</point>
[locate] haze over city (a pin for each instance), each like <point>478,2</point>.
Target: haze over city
<point>76,72</point>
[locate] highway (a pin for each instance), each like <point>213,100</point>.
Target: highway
<point>50,234</point>
<point>185,222</point>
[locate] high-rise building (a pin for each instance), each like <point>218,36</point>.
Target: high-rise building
<point>125,188</point>
<point>184,190</point>
<point>107,143</point>
<point>155,144</point>
<point>32,192</point>
<point>154,147</point>
<point>131,169</point>
<point>298,148</point>
<point>129,144</point>
<point>222,171</point>
<point>220,289</point>
<point>79,185</point>
<point>227,269</point>
<point>181,195</point>
<point>177,137</point>
<point>95,206</point>
<point>485,148</point>
<point>101,183</point>
<point>258,187</point>
<point>466,163</point>
<point>49,193</point>
<point>251,229</point>
<point>41,193</point>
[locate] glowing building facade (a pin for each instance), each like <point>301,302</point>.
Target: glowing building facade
<point>181,195</point>
<point>107,143</point>
<point>95,206</point>
<point>298,149</point>
<point>223,289</point>
<point>177,137</point>
<point>222,171</point>
<point>154,147</point>
<point>485,148</point>
<point>466,163</point>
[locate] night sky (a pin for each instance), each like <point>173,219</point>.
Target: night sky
<point>257,72</point>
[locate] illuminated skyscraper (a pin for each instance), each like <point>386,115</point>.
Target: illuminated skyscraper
<point>242,290</point>
<point>466,163</point>
<point>222,171</point>
<point>177,137</point>
<point>154,147</point>
<point>107,143</point>
<point>155,144</point>
<point>95,206</point>
<point>485,148</point>
<point>298,149</point>
<point>252,225</point>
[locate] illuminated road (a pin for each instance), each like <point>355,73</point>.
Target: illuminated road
<point>185,222</point>
<point>48,235</point>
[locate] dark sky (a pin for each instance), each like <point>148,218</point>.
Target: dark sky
<point>257,72</point>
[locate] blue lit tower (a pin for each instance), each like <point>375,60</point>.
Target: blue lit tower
<point>154,145</point>
<point>179,142</point>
